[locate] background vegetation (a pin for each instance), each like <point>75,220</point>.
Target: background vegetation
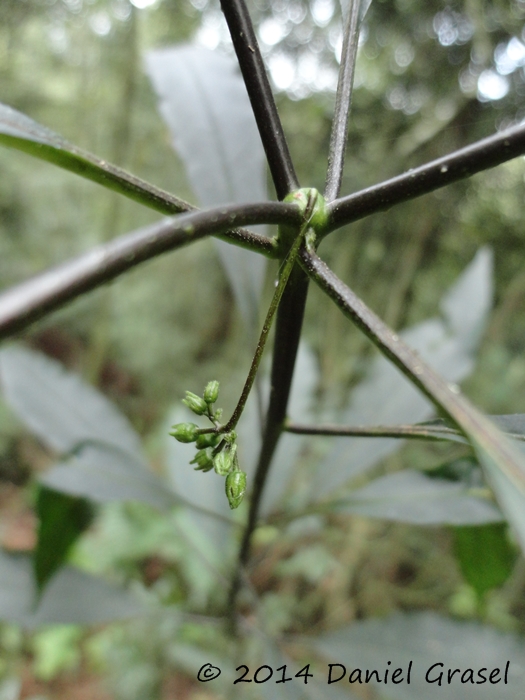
<point>431,77</point>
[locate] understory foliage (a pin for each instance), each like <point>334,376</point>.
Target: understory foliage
<point>379,515</point>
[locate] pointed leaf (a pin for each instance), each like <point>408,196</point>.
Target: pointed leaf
<point>205,105</point>
<point>72,597</point>
<point>58,406</point>
<point>412,497</point>
<point>19,131</point>
<point>427,639</point>
<point>62,520</point>
<point>485,556</point>
<point>103,473</point>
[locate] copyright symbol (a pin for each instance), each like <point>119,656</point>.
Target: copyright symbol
<point>208,673</point>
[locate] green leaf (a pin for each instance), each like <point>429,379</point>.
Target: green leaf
<point>485,556</point>
<point>205,105</point>
<point>19,131</point>
<point>427,639</point>
<point>72,596</point>
<point>103,473</point>
<point>58,406</point>
<point>62,520</point>
<point>412,497</point>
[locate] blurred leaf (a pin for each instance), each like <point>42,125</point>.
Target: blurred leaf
<point>103,472</point>
<point>19,131</point>
<point>485,556</point>
<point>411,497</point>
<point>386,397</point>
<point>72,596</point>
<point>504,467</point>
<point>426,639</point>
<point>58,406</point>
<point>62,520</point>
<point>205,105</point>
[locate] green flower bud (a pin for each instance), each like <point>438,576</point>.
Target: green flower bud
<point>211,392</point>
<point>207,440</point>
<point>204,460</point>
<point>195,403</point>
<point>223,462</point>
<point>184,432</point>
<point>235,488</point>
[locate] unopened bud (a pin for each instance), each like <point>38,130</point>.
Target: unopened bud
<point>235,488</point>
<point>211,392</point>
<point>184,432</point>
<point>223,462</point>
<point>207,440</point>
<point>204,460</point>
<point>195,403</point>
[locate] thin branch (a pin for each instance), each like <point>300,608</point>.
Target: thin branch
<point>458,165</point>
<point>416,432</point>
<point>336,156</point>
<point>479,430</point>
<point>22,305</point>
<point>261,97</point>
<point>285,272</point>
<point>287,335</point>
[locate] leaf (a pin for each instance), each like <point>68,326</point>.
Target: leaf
<point>427,639</point>
<point>205,105</point>
<point>485,556</point>
<point>387,397</point>
<point>58,406</point>
<point>504,465</point>
<point>411,497</point>
<point>103,473</point>
<point>72,596</point>
<point>19,131</point>
<point>62,520</point>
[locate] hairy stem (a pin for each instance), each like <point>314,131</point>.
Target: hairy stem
<point>286,271</point>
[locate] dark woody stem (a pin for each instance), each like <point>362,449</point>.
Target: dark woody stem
<point>22,305</point>
<point>260,93</point>
<point>458,165</point>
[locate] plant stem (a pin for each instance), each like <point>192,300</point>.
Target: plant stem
<point>336,156</point>
<point>261,97</point>
<point>458,165</point>
<point>503,462</point>
<point>286,271</point>
<point>22,305</point>
<point>287,334</point>
<point>417,432</point>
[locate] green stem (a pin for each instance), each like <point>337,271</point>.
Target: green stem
<point>286,271</point>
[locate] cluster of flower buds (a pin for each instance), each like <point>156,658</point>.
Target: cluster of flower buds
<point>215,449</point>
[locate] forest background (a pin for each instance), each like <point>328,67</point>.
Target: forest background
<point>431,77</point>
